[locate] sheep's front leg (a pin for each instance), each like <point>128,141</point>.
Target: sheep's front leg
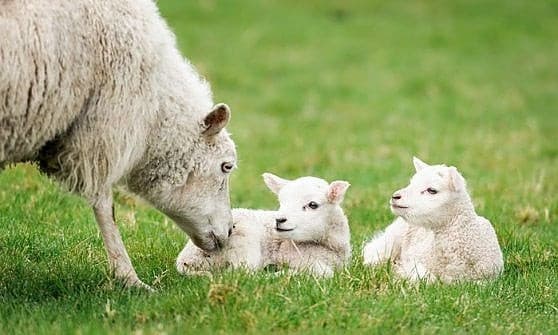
<point>385,245</point>
<point>119,260</point>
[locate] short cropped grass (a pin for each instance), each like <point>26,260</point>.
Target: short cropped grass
<point>341,90</point>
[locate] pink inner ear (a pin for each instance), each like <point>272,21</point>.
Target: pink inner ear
<point>336,191</point>
<point>455,180</point>
<point>332,194</point>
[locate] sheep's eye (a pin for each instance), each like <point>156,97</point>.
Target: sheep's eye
<point>313,205</point>
<point>227,167</point>
<point>431,190</point>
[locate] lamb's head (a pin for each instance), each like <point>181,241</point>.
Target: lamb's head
<point>307,206</point>
<point>435,195</point>
<point>191,185</point>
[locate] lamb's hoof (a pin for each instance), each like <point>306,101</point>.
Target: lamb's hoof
<point>182,268</point>
<point>324,273</point>
<point>188,269</point>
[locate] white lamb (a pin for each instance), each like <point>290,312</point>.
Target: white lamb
<point>309,232</point>
<point>438,235</point>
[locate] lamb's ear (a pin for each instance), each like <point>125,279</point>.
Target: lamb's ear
<point>274,183</point>
<point>419,165</point>
<point>456,180</point>
<point>336,191</point>
<point>216,120</point>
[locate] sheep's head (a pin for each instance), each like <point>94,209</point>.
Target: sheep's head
<point>307,205</point>
<point>193,189</point>
<point>434,195</point>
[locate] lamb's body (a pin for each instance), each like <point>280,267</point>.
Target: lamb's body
<point>448,243</point>
<point>256,243</point>
<point>97,92</point>
<point>467,250</point>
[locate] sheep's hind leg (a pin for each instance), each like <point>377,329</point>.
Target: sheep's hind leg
<point>119,260</point>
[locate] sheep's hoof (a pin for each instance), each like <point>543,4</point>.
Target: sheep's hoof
<point>136,283</point>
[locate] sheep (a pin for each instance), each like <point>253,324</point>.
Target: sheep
<point>98,94</point>
<point>437,235</point>
<point>309,233</point>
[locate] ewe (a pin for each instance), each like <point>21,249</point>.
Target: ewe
<point>97,93</point>
<point>438,235</point>
<point>309,232</point>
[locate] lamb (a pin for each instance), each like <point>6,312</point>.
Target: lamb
<point>98,94</point>
<point>438,235</point>
<point>309,232</point>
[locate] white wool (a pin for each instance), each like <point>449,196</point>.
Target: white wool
<point>97,93</point>
<point>315,240</point>
<point>437,235</point>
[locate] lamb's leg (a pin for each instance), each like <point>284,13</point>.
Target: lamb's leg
<point>317,269</point>
<point>321,269</point>
<point>119,260</point>
<point>193,261</point>
<point>414,272</point>
<point>386,244</point>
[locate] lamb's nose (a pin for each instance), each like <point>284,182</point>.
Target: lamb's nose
<point>280,220</point>
<point>396,196</point>
<point>230,232</point>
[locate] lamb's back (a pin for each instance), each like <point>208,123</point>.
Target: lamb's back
<point>485,249</point>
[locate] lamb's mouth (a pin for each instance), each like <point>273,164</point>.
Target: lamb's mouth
<point>283,229</point>
<point>397,206</point>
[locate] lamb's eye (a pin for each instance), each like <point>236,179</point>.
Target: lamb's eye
<point>313,205</point>
<point>227,167</point>
<point>431,190</point>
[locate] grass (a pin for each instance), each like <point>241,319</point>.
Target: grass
<point>345,90</point>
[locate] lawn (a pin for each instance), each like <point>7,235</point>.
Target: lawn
<point>342,90</point>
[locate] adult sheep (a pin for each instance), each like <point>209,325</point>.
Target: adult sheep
<point>97,93</point>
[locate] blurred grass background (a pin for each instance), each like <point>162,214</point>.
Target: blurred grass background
<point>342,90</point>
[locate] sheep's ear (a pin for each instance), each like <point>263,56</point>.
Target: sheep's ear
<point>274,183</point>
<point>456,180</point>
<point>216,120</point>
<point>419,165</point>
<point>336,191</point>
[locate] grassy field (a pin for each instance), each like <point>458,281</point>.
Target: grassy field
<point>341,90</point>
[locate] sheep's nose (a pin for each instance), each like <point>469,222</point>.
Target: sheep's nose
<point>230,232</point>
<point>396,196</point>
<point>280,220</point>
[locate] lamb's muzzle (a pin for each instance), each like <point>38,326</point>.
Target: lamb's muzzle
<point>279,225</point>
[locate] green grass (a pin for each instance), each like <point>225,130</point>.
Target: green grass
<point>341,90</point>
